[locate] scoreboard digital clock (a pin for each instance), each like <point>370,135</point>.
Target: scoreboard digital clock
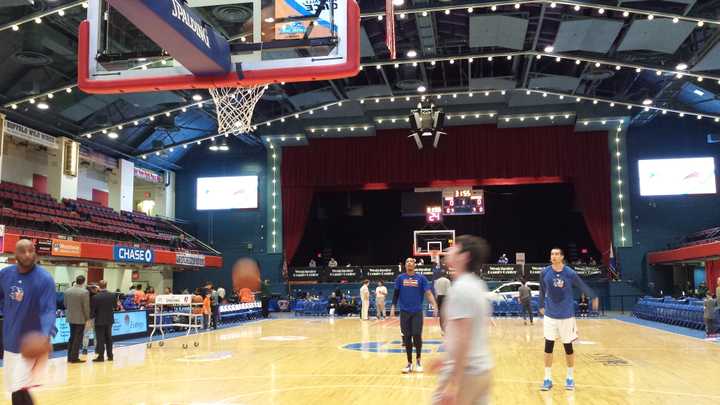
<point>433,214</point>
<point>463,201</point>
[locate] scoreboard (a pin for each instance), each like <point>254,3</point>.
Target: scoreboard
<point>463,201</point>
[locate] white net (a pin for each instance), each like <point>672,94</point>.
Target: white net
<point>235,107</point>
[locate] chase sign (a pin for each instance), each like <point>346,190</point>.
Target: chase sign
<point>133,255</point>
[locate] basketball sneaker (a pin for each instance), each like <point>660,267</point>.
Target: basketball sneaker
<point>418,368</point>
<point>570,384</point>
<point>547,385</point>
<point>408,369</point>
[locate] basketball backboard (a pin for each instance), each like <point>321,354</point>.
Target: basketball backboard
<point>138,45</point>
<point>432,243</point>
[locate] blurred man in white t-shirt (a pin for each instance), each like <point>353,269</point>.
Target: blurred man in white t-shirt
<point>365,298</point>
<point>465,371</point>
<point>380,296</point>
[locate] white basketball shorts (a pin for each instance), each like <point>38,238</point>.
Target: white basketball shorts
<point>21,372</point>
<point>564,330</point>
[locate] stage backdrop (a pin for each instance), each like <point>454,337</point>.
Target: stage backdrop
<point>466,156</point>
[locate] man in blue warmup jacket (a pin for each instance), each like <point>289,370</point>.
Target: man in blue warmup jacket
<point>410,288</point>
<point>558,307</point>
<point>27,301</point>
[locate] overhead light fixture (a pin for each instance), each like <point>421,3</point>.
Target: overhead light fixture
<point>647,101</point>
<point>421,89</point>
<point>681,66</point>
<point>493,7</point>
<point>553,5</point>
<point>549,49</point>
<point>269,20</point>
<point>699,92</point>
<point>700,24</point>
<point>197,97</point>
<point>576,8</point>
<point>650,17</point>
<point>113,135</point>
<point>626,14</point>
<point>675,20</point>
<point>601,11</point>
<point>42,105</point>
<point>517,6</point>
<point>398,2</point>
<point>447,12</point>
<point>411,53</point>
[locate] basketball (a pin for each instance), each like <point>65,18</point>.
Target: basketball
<point>246,274</point>
<point>34,345</point>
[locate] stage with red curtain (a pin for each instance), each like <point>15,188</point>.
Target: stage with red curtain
<point>467,155</point>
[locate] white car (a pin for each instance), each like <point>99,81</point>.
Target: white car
<point>509,291</point>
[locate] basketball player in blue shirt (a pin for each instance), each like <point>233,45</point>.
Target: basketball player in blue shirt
<point>410,288</point>
<point>558,307</point>
<point>27,302</point>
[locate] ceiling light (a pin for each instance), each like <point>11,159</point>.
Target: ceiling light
<point>681,66</point>
<point>553,5</point>
<point>14,106</point>
<point>597,64</point>
<point>517,6</point>
<point>43,106</point>
<point>452,61</point>
<point>398,2</point>
<point>626,14</point>
<point>38,20</point>
<point>577,62</point>
<point>601,11</point>
<point>424,13</point>
<point>447,12</point>
<point>470,10</point>
<point>411,54</point>
<point>197,97</point>
<point>617,67</point>
<point>15,28</point>
<point>509,57</point>
<point>700,78</point>
<point>650,17</point>
<point>699,92</point>
<point>402,16</point>
<point>269,20</point>
<point>700,23</point>
<point>558,59</point>
<point>493,8</point>
<point>675,20</point>
<point>68,90</point>
<point>113,135</point>
<point>576,8</point>
<point>380,18</point>
<point>214,148</point>
<point>638,70</point>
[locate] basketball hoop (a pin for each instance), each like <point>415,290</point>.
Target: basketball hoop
<point>235,107</point>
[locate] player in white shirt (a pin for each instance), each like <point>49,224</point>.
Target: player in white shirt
<point>465,372</point>
<point>441,286</point>
<point>365,298</point>
<point>381,293</point>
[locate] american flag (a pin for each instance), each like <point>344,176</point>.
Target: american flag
<point>390,27</point>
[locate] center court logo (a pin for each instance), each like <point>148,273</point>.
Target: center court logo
<point>394,346</point>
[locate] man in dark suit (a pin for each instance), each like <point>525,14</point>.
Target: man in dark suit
<point>103,306</point>
<point>77,313</point>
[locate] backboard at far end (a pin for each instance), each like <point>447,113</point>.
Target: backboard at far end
<point>127,45</point>
<point>432,243</point>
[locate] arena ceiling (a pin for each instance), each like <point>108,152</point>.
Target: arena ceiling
<point>514,64</point>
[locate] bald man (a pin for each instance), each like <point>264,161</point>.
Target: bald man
<point>27,301</point>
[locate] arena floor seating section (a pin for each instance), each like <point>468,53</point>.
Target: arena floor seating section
<point>687,312</point>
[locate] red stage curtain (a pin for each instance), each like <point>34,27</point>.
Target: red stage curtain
<point>712,272</point>
<point>296,209</point>
<point>465,154</point>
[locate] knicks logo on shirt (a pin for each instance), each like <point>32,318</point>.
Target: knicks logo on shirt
<point>558,283</point>
<point>16,293</point>
<point>410,282</point>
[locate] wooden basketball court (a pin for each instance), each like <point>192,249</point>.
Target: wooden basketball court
<point>347,361</point>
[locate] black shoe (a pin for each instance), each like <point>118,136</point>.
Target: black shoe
<point>84,351</point>
<point>76,361</point>
<point>98,360</point>
<point>110,358</point>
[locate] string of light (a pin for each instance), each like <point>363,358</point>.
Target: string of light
<point>468,94</point>
<point>37,18</point>
<point>274,198</point>
<point>600,9</point>
<point>619,168</point>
